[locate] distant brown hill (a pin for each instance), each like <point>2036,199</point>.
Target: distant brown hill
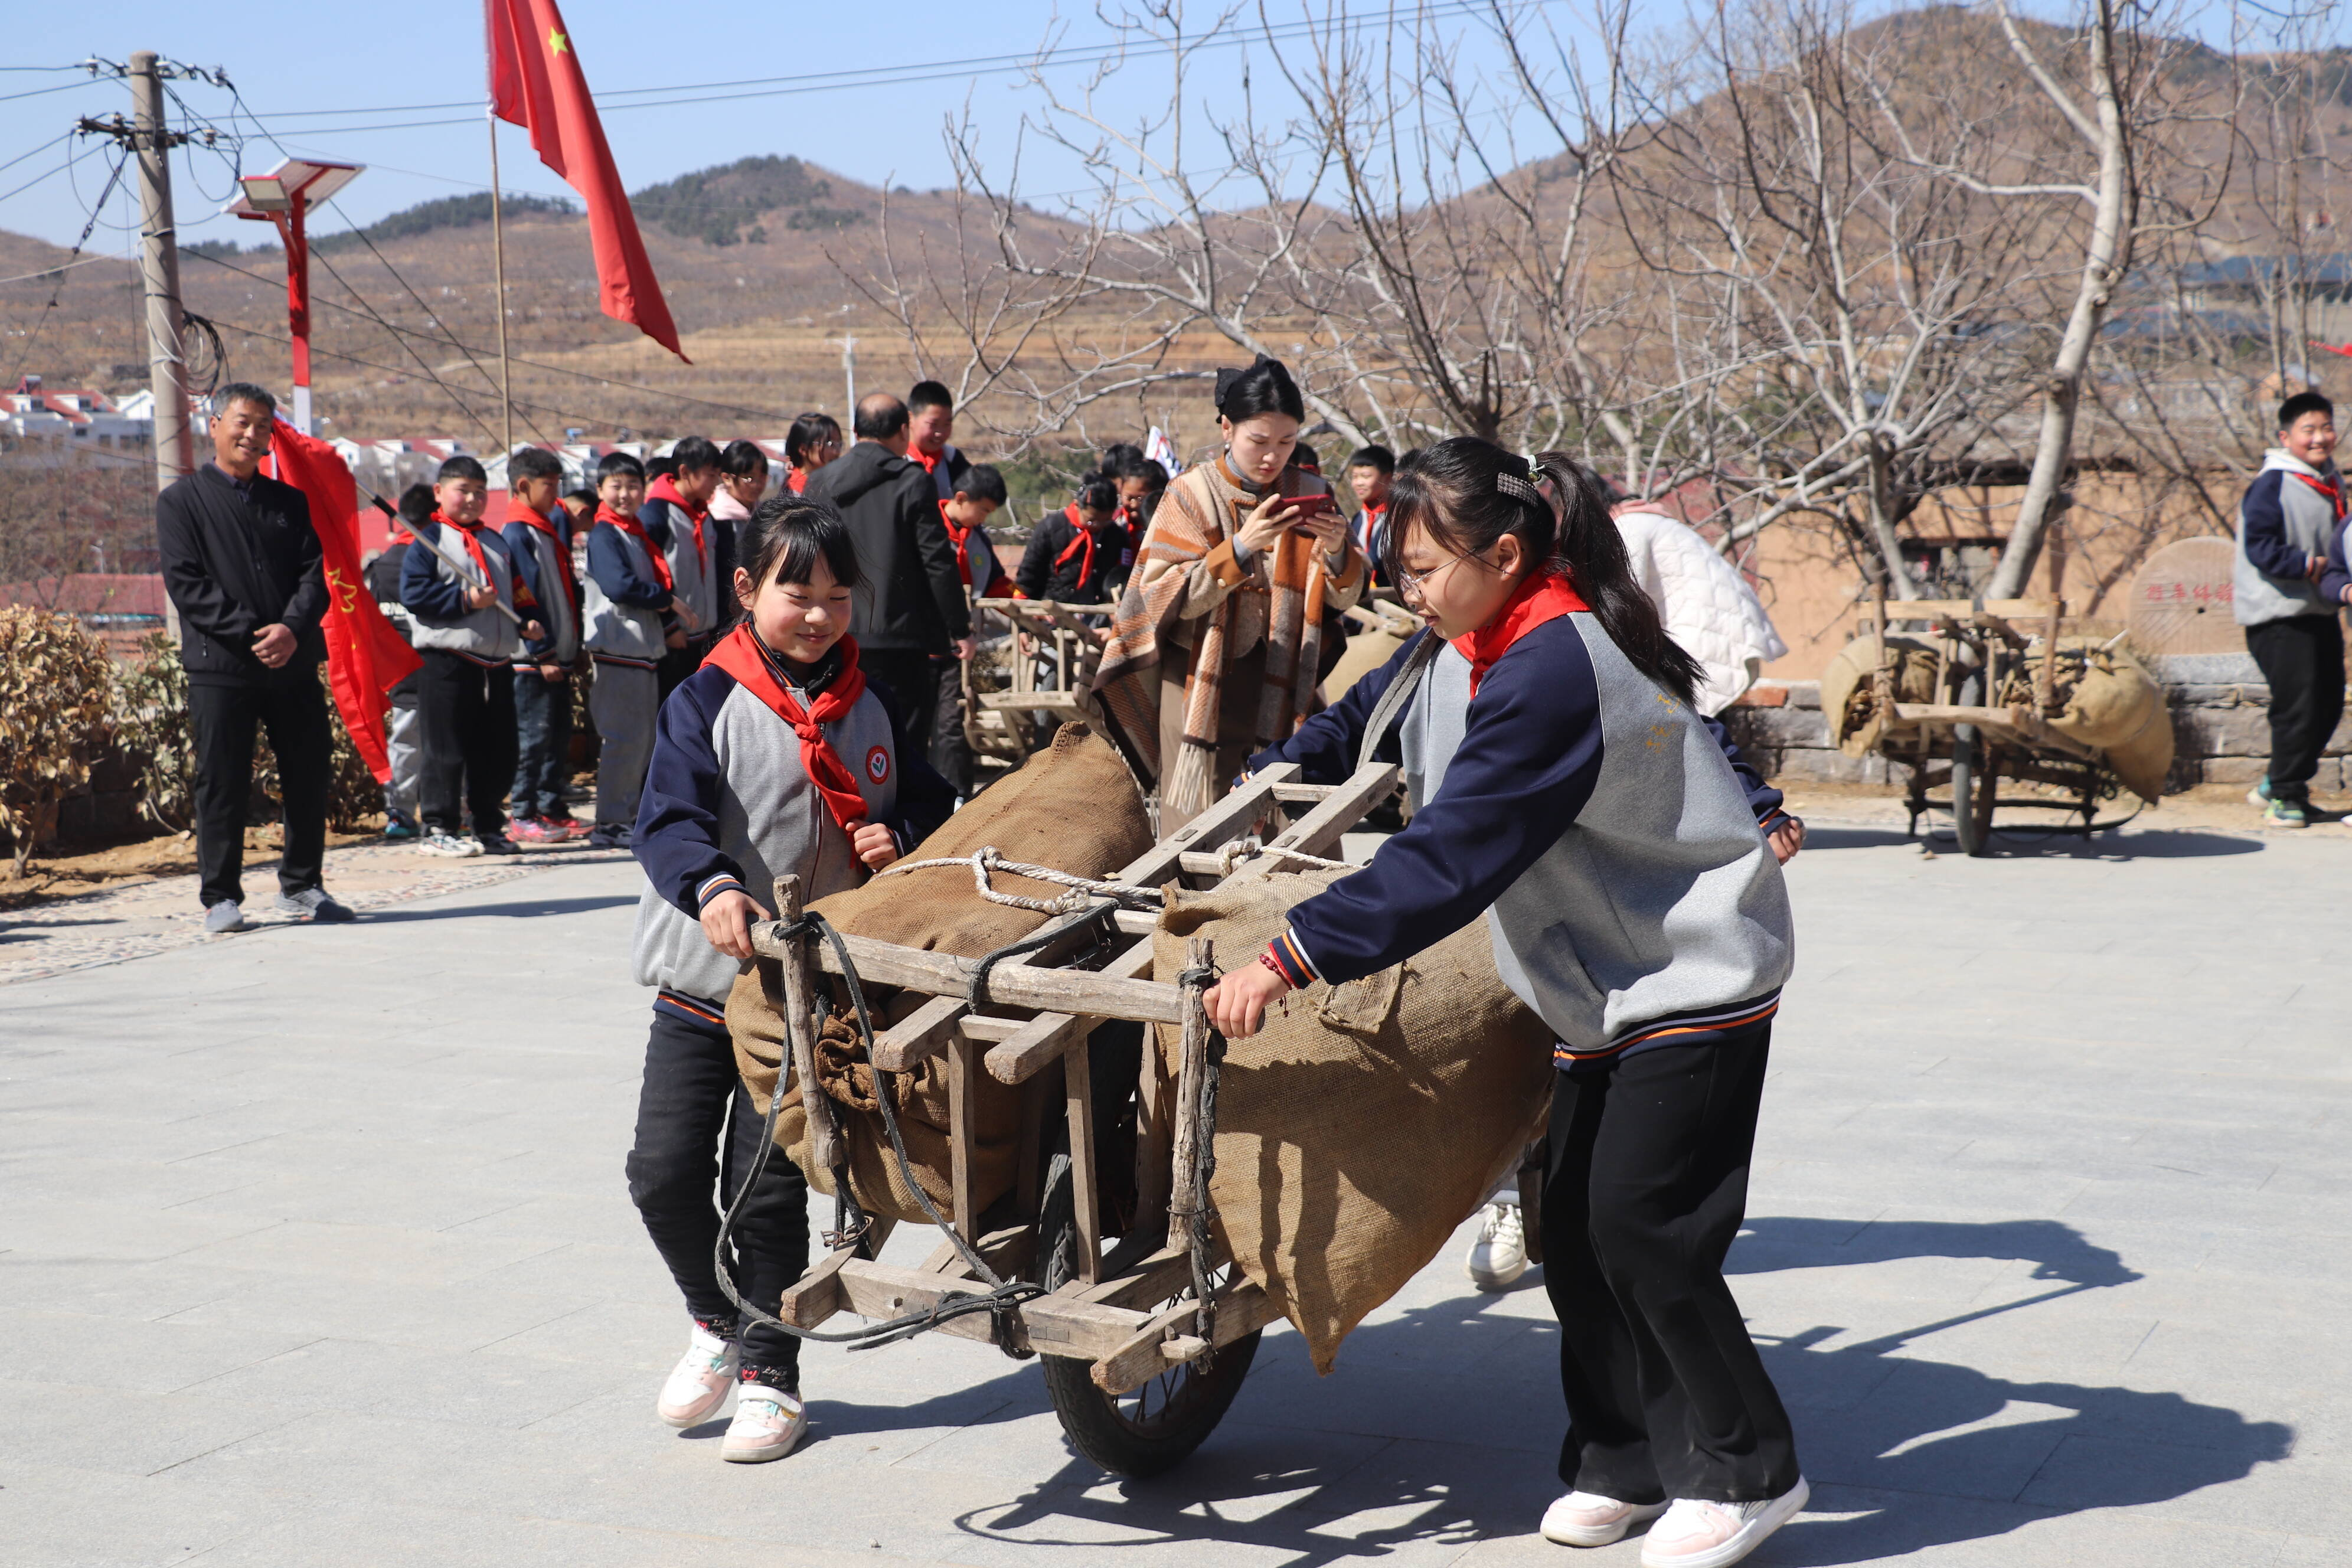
<point>750,256</point>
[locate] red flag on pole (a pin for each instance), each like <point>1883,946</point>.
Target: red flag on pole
<point>536,84</point>
<point>365,655</point>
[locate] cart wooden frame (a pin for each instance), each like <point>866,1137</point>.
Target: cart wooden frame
<point>1965,745</point>
<point>1126,1326</point>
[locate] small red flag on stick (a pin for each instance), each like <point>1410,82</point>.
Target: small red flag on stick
<point>536,84</point>
<point>366,656</point>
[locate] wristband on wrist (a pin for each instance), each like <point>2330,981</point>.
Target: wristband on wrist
<point>1267,958</point>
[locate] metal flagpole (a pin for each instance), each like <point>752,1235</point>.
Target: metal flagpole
<point>498,262</point>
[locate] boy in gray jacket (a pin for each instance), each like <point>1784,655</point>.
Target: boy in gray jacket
<point>2288,526</point>
<point>458,586</point>
<point>630,612</point>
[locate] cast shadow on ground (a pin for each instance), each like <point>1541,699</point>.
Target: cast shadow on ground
<point>2148,844</point>
<point>1319,1470</point>
<point>521,908</point>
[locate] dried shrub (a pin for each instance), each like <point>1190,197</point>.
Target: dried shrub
<point>55,717</point>
<point>151,722</point>
<point>151,697</point>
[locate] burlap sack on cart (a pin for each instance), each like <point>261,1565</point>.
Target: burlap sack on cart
<point>1849,701</point>
<point>1366,1122</point>
<point>2114,703</point>
<point>1073,806</point>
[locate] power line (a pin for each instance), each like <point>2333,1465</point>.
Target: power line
<point>872,76</point>
<point>76,156</point>
<point>32,340</point>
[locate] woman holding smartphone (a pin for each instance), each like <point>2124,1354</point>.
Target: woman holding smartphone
<point>1236,592</point>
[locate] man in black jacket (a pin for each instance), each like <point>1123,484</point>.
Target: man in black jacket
<point>243,568</point>
<point>912,607</point>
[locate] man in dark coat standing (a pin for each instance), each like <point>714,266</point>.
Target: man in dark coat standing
<point>243,566</point>
<point>911,605</point>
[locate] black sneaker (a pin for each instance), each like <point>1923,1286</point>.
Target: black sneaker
<point>609,836</point>
<point>500,844</point>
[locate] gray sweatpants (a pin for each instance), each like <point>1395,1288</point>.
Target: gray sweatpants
<point>404,748</point>
<point>623,702</point>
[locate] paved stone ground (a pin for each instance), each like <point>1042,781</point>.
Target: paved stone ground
<point>314,1250</point>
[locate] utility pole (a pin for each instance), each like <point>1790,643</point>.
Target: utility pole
<point>849,373</point>
<point>159,268</point>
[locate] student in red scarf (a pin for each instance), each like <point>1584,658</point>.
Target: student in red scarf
<point>814,441</point>
<point>776,758</point>
<point>1369,471</point>
<point>631,613</point>
<point>979,495</point>
<point>1566,789</point>
<point>538,532</point>
<point>930,427</point>
<point>460,588</point>
<point>1073,553</point>
<point>698,548</point>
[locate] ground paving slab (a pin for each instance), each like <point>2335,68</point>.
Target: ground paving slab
<point>315,1249</point>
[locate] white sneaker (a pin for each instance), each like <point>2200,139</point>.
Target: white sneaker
<point>768,1422</point>
<point>1696,1535</point>
<point>700,1383</point>
<point>449,847</point>
<point>1499,1256</point>
<point>1588,1519</point>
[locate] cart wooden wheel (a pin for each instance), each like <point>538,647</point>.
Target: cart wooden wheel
<point>1972,778</point>
<point>1156,1427</point>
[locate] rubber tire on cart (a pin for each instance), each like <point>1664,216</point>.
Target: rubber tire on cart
<point>1972,817</point>
<point>1155,1429</point>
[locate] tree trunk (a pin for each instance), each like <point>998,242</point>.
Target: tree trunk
<point>2104,262</point>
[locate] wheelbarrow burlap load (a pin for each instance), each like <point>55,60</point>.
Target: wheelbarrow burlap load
<point>1364,1123</point>
<point>2105,699</point>
<point>1073,806</point>
<point>1848,703</point>
<point>2112,703</point>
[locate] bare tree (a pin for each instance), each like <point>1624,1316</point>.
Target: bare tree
<point>2119,105</point>
<point>1838,318</point>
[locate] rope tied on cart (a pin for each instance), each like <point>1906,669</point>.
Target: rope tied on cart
<point>1193,1206</point>
<point>1242,849</point>
<point>999,1301</point>
<point>988,859</point>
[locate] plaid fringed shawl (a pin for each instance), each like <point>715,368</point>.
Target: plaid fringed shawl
<point>1200,511</point>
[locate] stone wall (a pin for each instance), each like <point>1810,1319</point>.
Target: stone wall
<point>2220,727</point>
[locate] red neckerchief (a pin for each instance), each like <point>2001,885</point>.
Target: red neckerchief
<point>797,480</point>
<point>2334,493</point>
<point>741,656</point>
<point>930,464</point>
<point>636,531</point>
<point>964,549</point>
<point>470,531</point>
<point>519,512</point>
<point>1541,596</point>
<point>1085,541</point>
<point>666,489</point>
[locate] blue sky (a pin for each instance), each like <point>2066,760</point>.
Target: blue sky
<point>363,66</point>
<point>342,81</point>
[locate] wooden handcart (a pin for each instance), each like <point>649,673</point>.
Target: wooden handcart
<point>1966,739</point>
<point>1049,687</point>
<point>1144,1340</point>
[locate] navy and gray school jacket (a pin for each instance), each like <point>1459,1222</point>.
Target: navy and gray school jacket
<point>544,564</point>
<point>2290,513</point>
<point>726,805</point>
<point>434,594</point>
<point>1591,816</point>
<point>624,608</point>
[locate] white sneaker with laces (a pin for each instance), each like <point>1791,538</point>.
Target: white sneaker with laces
<point>1499,1256</point>
<point>700,1383</point>
<point>1588,1519</point>
<point>448,847</point>
<point>767,1423</point>
<point>1698,1534</point>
